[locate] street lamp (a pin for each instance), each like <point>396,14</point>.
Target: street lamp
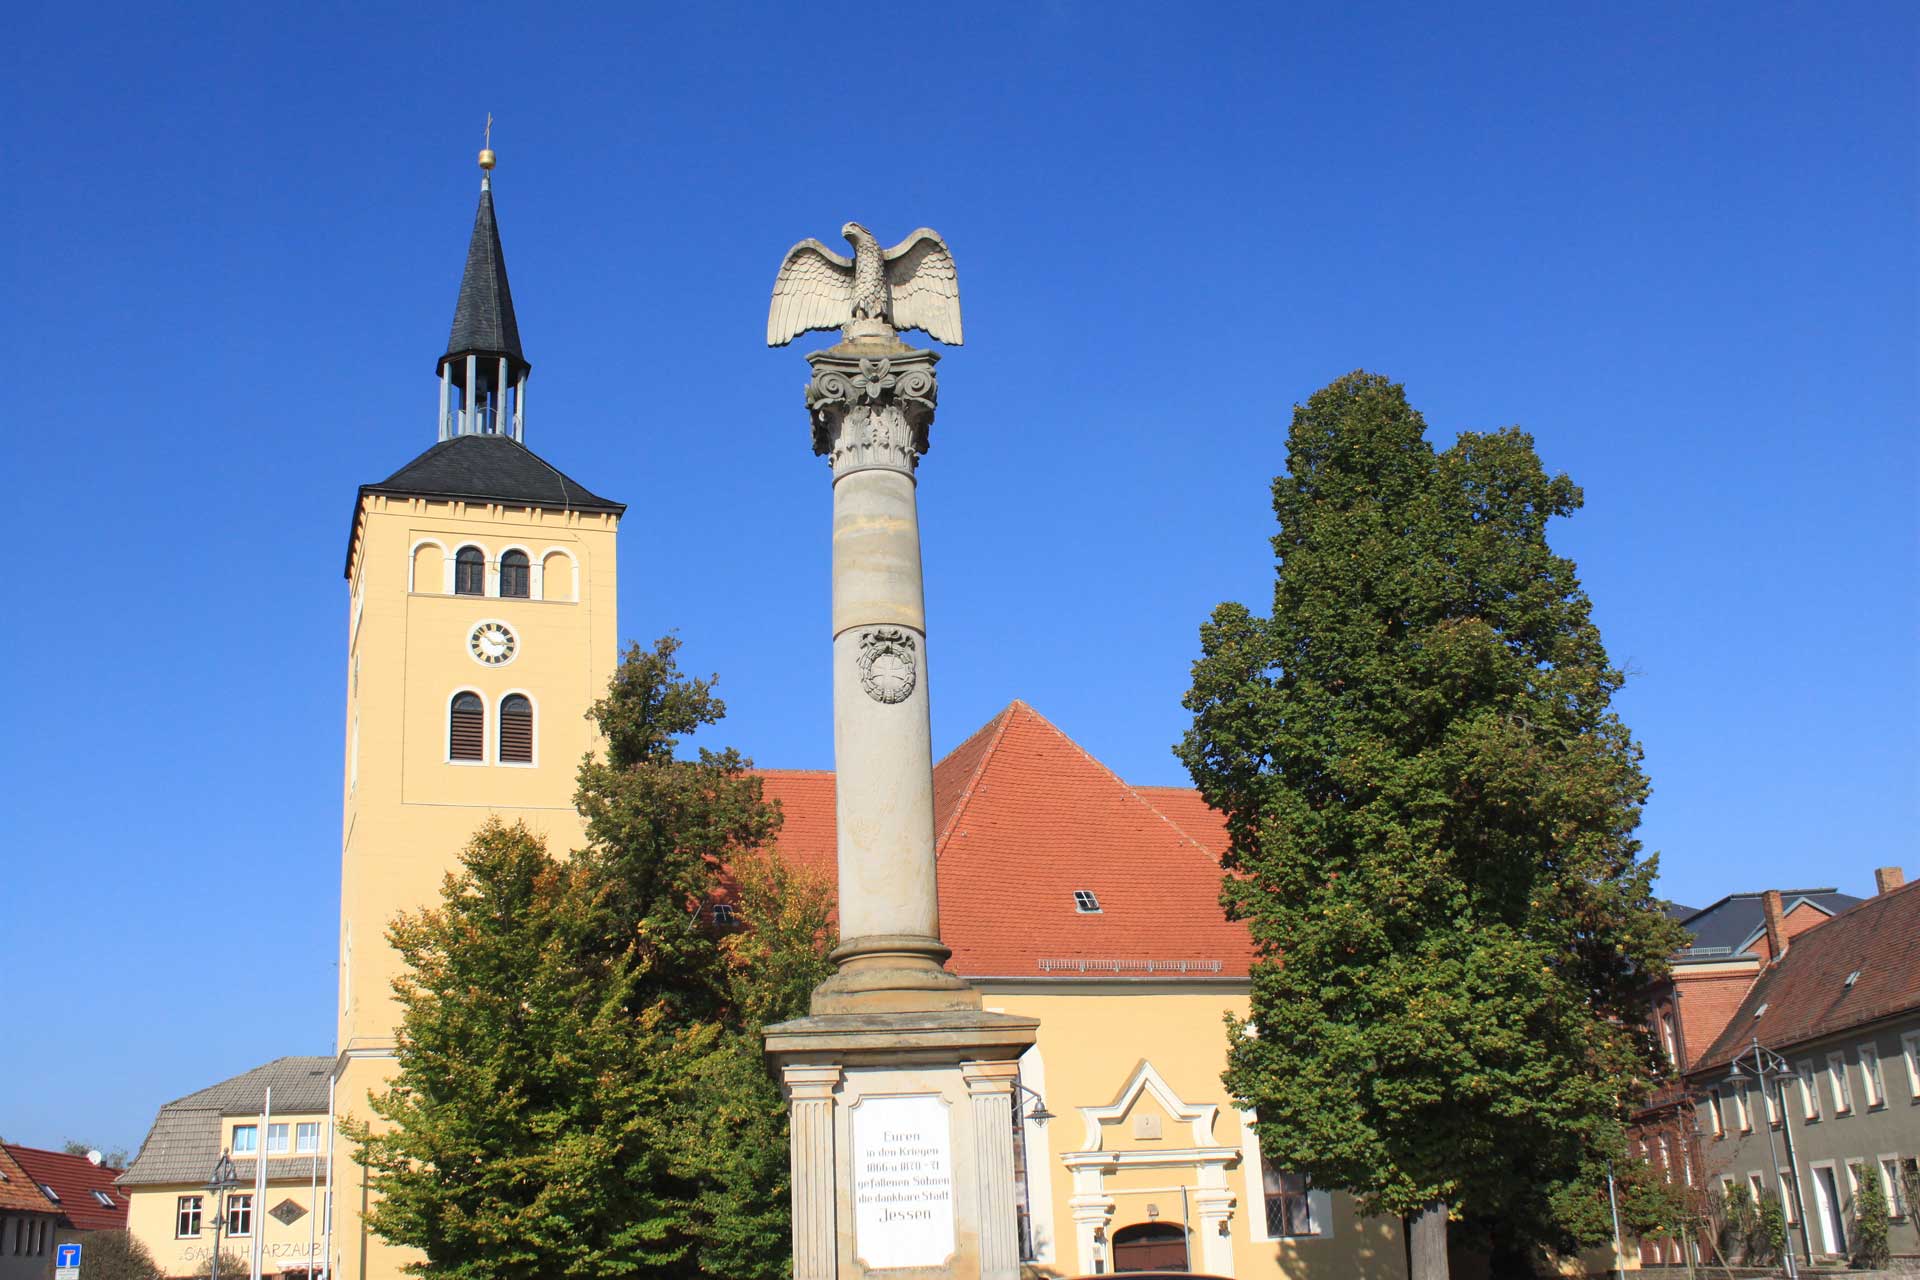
<point>222,1180</point>
<point>1039,1114</point>
<point>1762,1062</point>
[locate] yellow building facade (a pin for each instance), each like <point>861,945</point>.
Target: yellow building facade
<point>482,599</point>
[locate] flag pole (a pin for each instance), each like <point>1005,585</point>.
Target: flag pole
<point>260,1183</point>
<point>328,1261</point>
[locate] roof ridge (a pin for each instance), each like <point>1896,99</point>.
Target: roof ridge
<point>1124,785</point>
<point>998,725</point>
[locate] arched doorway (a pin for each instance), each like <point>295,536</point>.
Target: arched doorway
<point>1150,1246</point>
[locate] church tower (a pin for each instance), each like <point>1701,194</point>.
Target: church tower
<point>481,625</point>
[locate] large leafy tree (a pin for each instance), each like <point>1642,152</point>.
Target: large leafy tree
<point>1432,809</point>
<point>581,1088</point>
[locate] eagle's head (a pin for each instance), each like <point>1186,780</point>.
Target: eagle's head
<point>854,232</point>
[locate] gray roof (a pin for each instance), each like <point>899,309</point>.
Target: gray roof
<point>1727,927</point>
<point>484,468</point>
<point>184,1142</point>
<point>483,320</point>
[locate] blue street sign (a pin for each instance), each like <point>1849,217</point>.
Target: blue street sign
<point>66,1255</point>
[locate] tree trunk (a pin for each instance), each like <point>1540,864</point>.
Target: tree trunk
<point>1427,1243</point>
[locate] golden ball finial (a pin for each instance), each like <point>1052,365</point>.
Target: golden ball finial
<point>486,157</point>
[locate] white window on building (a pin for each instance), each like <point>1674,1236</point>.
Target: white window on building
<point>1666,1161</point>
<point>1289,1208</point>
<point>246,1139</point>
<point>1789,1196</point>
<point>1871,1081</point>
<point>1668,1039</point>
<point>186,1222</point>
<point>1839,1084</point>
<point>277,1139</point>
<point>1757,1188</point>
<point>306,1138</point>
<point>1888,1167</point>
<point>1714,1122</point>
<point>240,1215</point>
<point>1740,1109</point>
<point>1771,1092</point>
<point>1910,1052</point>
<point>1809,1093</point>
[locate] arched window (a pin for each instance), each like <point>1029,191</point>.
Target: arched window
<point>467,728</point>
<point>470,572</point>
<point>516,730</point>
<point>515,578</point>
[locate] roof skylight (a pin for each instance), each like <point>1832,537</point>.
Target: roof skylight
<point>1085,903</point>
<point>51,1193</point>
<point>103,1198</point>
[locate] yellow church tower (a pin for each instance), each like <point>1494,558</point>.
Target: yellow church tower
<point>481,625</point>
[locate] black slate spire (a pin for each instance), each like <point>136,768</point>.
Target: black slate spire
<point>483,322</point>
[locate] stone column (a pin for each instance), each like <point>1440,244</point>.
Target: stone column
<point>810,1147</point>
<point>872,404</point>
<point>990,1087</point>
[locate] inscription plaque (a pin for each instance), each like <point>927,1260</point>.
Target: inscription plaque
<point>903,1181</point>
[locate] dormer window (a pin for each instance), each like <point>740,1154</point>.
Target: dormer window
<point>724,916</point>
<point>1085,903</point>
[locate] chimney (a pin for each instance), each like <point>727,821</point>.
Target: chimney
<point>1776,923</point>
<point>1887,879</point>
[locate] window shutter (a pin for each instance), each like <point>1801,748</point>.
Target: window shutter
<point>516,730</point>
<point>466,728</point>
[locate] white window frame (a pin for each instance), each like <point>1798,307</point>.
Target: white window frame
<point>1773,1098</point>
<point>1838,1085</point>
<point>1740,1109</point>
<point>279,1138</point>
<point>234,1206</point>
<point>306,1138</point>
<point>252,1144</point>
<point>1875,1084</point>
<point>180,1211</point>
<point>1253,1168</point>
<point>487,717</point>
<point>1757,1187</point>
<point>1809,1092</point>
<point>1910,1053</point>
<point>1887,1164</point>
<point>1713,1113</point>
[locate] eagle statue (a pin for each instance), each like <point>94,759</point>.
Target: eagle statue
<point>910,286</point>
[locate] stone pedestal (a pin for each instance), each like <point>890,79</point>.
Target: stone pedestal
<point>902,1143</point>
<point>902,1089</point>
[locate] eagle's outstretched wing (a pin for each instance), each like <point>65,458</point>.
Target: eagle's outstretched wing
<point>926,289</point>
<point>814,290</point>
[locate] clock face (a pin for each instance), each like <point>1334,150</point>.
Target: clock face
<point>493,644</point>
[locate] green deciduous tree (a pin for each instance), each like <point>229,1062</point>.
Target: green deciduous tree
<point>581,1088</point>
<point>1431,806</point>
<point>119,1255</point>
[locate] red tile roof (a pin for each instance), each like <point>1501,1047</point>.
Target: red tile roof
<point>1806,995</point>
<point>74,1179</point>
<point>1023,817</point>
<point>17,1191</point>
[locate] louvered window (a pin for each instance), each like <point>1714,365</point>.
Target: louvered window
<point>470,572</point>
<point>516,730</point>
<point>466,728</point>
<point>515,580</point>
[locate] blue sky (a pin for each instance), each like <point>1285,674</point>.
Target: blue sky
<point>1674,242</point>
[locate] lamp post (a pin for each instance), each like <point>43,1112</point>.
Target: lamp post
<point>1762,1062</point>
<point>222,1180</point>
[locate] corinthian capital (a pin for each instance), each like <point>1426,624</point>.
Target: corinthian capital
<point>872,405</point>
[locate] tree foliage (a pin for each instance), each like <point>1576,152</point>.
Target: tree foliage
<point>118,1255</point>
<point>1432,809</point>
<point>581,1088</point>
<point>1871,1251</point>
